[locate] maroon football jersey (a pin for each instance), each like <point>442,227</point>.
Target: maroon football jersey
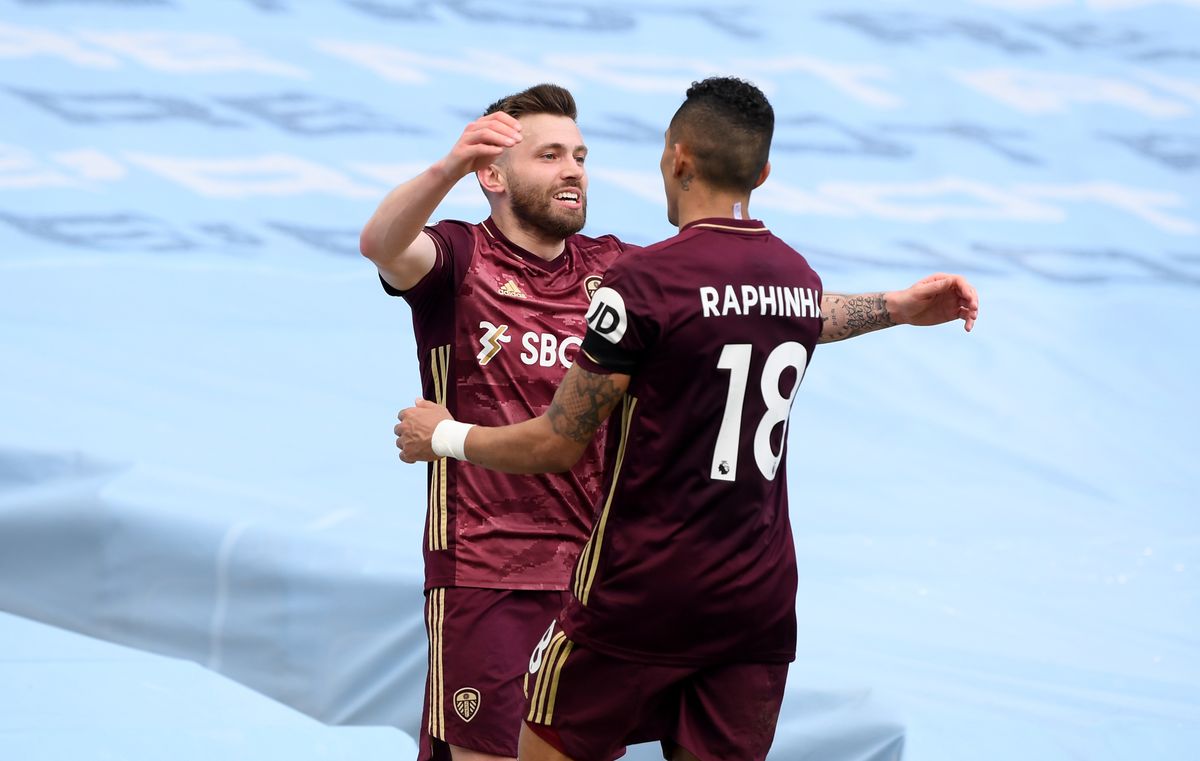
<point>691,559</point>
<point>496,329</point>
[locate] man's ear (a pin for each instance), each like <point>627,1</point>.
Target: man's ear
<point>491,178</point>
<point>681,160</point>
<point>762,176</point>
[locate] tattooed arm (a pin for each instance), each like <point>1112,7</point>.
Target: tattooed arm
<point>845,316</point>
<point>931,301</point>
<point>550,443</point>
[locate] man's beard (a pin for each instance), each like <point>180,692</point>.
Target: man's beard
<point>534,208</point>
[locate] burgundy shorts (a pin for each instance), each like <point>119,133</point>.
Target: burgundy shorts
<point>590,706</point>
<point>479,646</point>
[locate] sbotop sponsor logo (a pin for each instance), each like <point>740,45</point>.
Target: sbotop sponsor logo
<point>540,349</point>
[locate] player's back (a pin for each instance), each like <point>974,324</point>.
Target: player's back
<point>692,558</point>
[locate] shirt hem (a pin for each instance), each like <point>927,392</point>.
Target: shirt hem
<point>531,586</point>
<point>672,659</point>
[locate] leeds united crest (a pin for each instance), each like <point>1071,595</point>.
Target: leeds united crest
<point>466,703</point>
<point>591,284</point>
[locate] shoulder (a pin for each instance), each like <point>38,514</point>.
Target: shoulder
<point>604,246</point>
<point>797,260</point>
<point>458,227</point>
<point>454,228</point>
<point>456,239</point>
<point>645,257</point>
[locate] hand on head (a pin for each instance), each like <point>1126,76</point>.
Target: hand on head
<point>482,142</point>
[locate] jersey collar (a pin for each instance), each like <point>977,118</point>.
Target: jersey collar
<point>555,264</point>
<point>728,224</point>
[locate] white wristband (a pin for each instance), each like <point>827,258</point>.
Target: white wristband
<point>450,439</point>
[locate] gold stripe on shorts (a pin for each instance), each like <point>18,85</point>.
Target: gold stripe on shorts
<point>545,690</point>
<point>562,661</point>
<point>435,616</point>
<point>539,683</point>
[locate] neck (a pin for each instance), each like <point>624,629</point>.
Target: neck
<point>532,240</point>
<point>700,202</point>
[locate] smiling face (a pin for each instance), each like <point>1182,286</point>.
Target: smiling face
<point>545,176</point>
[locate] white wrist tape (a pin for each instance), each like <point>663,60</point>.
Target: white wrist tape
<point>450,439</point>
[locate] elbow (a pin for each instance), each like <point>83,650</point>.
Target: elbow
<point>558,457</point>
<point>564,463</point>
<point>368,243</point>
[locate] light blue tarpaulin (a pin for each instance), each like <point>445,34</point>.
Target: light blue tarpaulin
<point>997,532</point>
<point>69,696</point>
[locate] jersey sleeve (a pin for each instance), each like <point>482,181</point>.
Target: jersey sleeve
<point>623,321</point>
<point>454,243</point>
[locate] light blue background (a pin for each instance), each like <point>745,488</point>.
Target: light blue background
<point>997,532</point>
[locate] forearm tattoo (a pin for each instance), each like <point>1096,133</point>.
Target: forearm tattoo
<point>848,316</point>
<point>581,404</point>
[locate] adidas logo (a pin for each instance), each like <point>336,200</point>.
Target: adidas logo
<point>512,289</point>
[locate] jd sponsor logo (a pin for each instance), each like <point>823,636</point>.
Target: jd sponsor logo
<point>606,315</point>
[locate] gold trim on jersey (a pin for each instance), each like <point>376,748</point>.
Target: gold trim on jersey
<point>435,614</point>
<point>714,226</point>
<point>545,689</point>
<point>439,513</point>
<point>589,559</point>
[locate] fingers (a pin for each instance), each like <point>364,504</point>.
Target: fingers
<point>498,129</point>
<point>969,303</point>
<point>488,141</point>
<point>398,429</point>
<point>417,403</point>
<point>968,317</point>
<point>483,141</point>
<point>968,297</point>
<point>501,118</point>
<point>414,427</point>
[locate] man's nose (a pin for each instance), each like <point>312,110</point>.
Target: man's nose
<point>571,168</point>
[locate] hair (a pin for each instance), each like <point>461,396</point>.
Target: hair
<point>727,123</point>
<point>539,99</point>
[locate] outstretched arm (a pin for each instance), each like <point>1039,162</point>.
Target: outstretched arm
<point>550,443</point>
<point>392,237</point>
<point>933,300</point>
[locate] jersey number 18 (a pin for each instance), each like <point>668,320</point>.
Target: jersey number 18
<point>736,359</point>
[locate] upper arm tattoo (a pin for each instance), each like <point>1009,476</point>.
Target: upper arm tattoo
<point>849,316</point>
<point>582,403</point>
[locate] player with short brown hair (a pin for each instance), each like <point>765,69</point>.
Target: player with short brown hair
<point>681,618</point>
